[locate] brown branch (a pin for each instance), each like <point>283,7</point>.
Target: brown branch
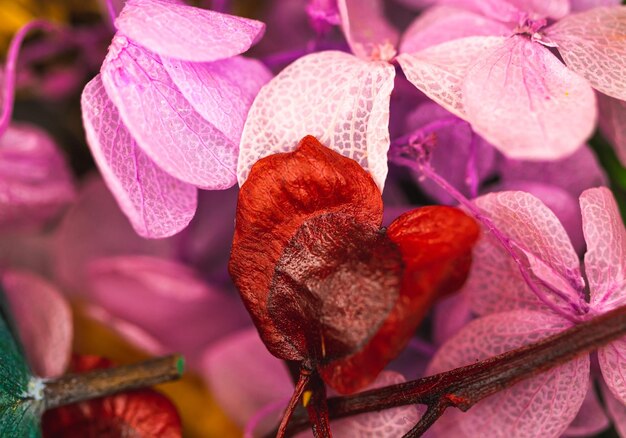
<point>463,387</point>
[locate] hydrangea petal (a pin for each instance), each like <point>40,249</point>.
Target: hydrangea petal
<point>592,45</point>
<point>439,71</point>
<point>366,28</point>
<point>539,9</point>
<point>156,204</point>
<point>43,319</point>
<point>167,300</point>
<point>616,410</point>
<point>336,97</point>
<point>583,5</point>
<point>388,423</point>
<point>35,182</point>
<point>495,284</point>
<point>444,23</point>
<point>613,124</point>
<point>546,403</point>
<point>497,9</point>
<point>163,122</point>
<point>612,359</point>
<point>605,260</point>
<point>524,101</point>
<point>222,91</point>
<point>185,32</point>
<point>591,419</point>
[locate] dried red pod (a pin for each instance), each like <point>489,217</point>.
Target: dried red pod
<point>325,285</point>
<point>141,413</point>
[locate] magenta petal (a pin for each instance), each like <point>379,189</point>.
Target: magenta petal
<point>165,299</point>
<point>43,319</point>
<point>443,23</point>
<point>583,5</point>
<point>591,419</point>
<point>592,45</point>
<point>439,71</point>
<point>524,101</point>
<point>502,10</point>
<point>35,182</point>
<point>163,122</point>
<point>495,283</point>
<point>188,33</point>
<point>367,30</point>
<point>156,204</point>
<point>546,403</point>
<point>389,423</point>
<point>616,410</point>
<point>605,260</point>
<point>336,97</point>
<point>244,376</point>
<point>613,124</point>
<point>222,91</point>
<point>450,316</point>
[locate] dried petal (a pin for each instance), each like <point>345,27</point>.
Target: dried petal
<point>613,124</point>
<point>591,419</point>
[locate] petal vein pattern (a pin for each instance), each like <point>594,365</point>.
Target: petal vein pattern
<point>334,96</point>
<point>156,204</point>
<point>163,122</point>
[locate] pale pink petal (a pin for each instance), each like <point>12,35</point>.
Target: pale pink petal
<point>613,124</point>
<point>524,101</point>
<point>592,45</point>
<point>439,71</point>
<point>616,410</point>
<point>156,204</point>
<point>591,419</point>
<point>495,283</point>
<point>546,403</point>
<point>539,9</point>
<point>244,376</point>
<point>167,300</point>
<point>612,359</point>
<point>35,182</point>
<point>583,5</point>
<point>366,28</point>
<point>336,97</point>
<point>605,260</point>
<point>502,10</point>
<point>222,91</point>
<point>43,319</point>
<point>184,32</point>
<point>163,122</point>
<point>444,23</point>
<point>389,423</point>
<point>450,315</point>
<point>95,227</point>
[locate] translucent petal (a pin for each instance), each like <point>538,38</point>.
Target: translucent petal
<point>184,32</point>
<point>583,5</point>
<point>156,204</point>
<point>612,359</point>
<point>334,96</point>
<point>613,124</point>
<point>524,101</point>
<point>161,120</point>
<point>616,410</point>
<point>592,45</point>
<point>591,419</point>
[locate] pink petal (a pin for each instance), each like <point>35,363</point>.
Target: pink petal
<point>163,122</point>
<point>605,260</point>
<point>35,182</point>
<point>583,5</point>
<point>591,419</point>
<point>502,10</point>
<point>546,403</point>
<point>613,124</point>
<point>543,9</point>
<point>95,227</point>
<point>188,33</point>
<point>524,101</point>
<point>43,319</point>
<point>444,23</point>
<point>222,91</point>
<point>336,97</point>
<point>592,45</point>
<point>244,376</point>
<point>167,300</point>
<point>616,410</point>
<point>612,359</point>
<point>450,316</point>
<point>366,28</point>
<point>156,204</point>
<point>388,423</point>
<point>495,283</point>
<point>439,71</point>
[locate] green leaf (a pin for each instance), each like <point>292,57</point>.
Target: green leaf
<point>20,404</point>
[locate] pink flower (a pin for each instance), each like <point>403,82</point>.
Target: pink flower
<point>494,68</point>
<point>165,114</point>
<point>515,312</point>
